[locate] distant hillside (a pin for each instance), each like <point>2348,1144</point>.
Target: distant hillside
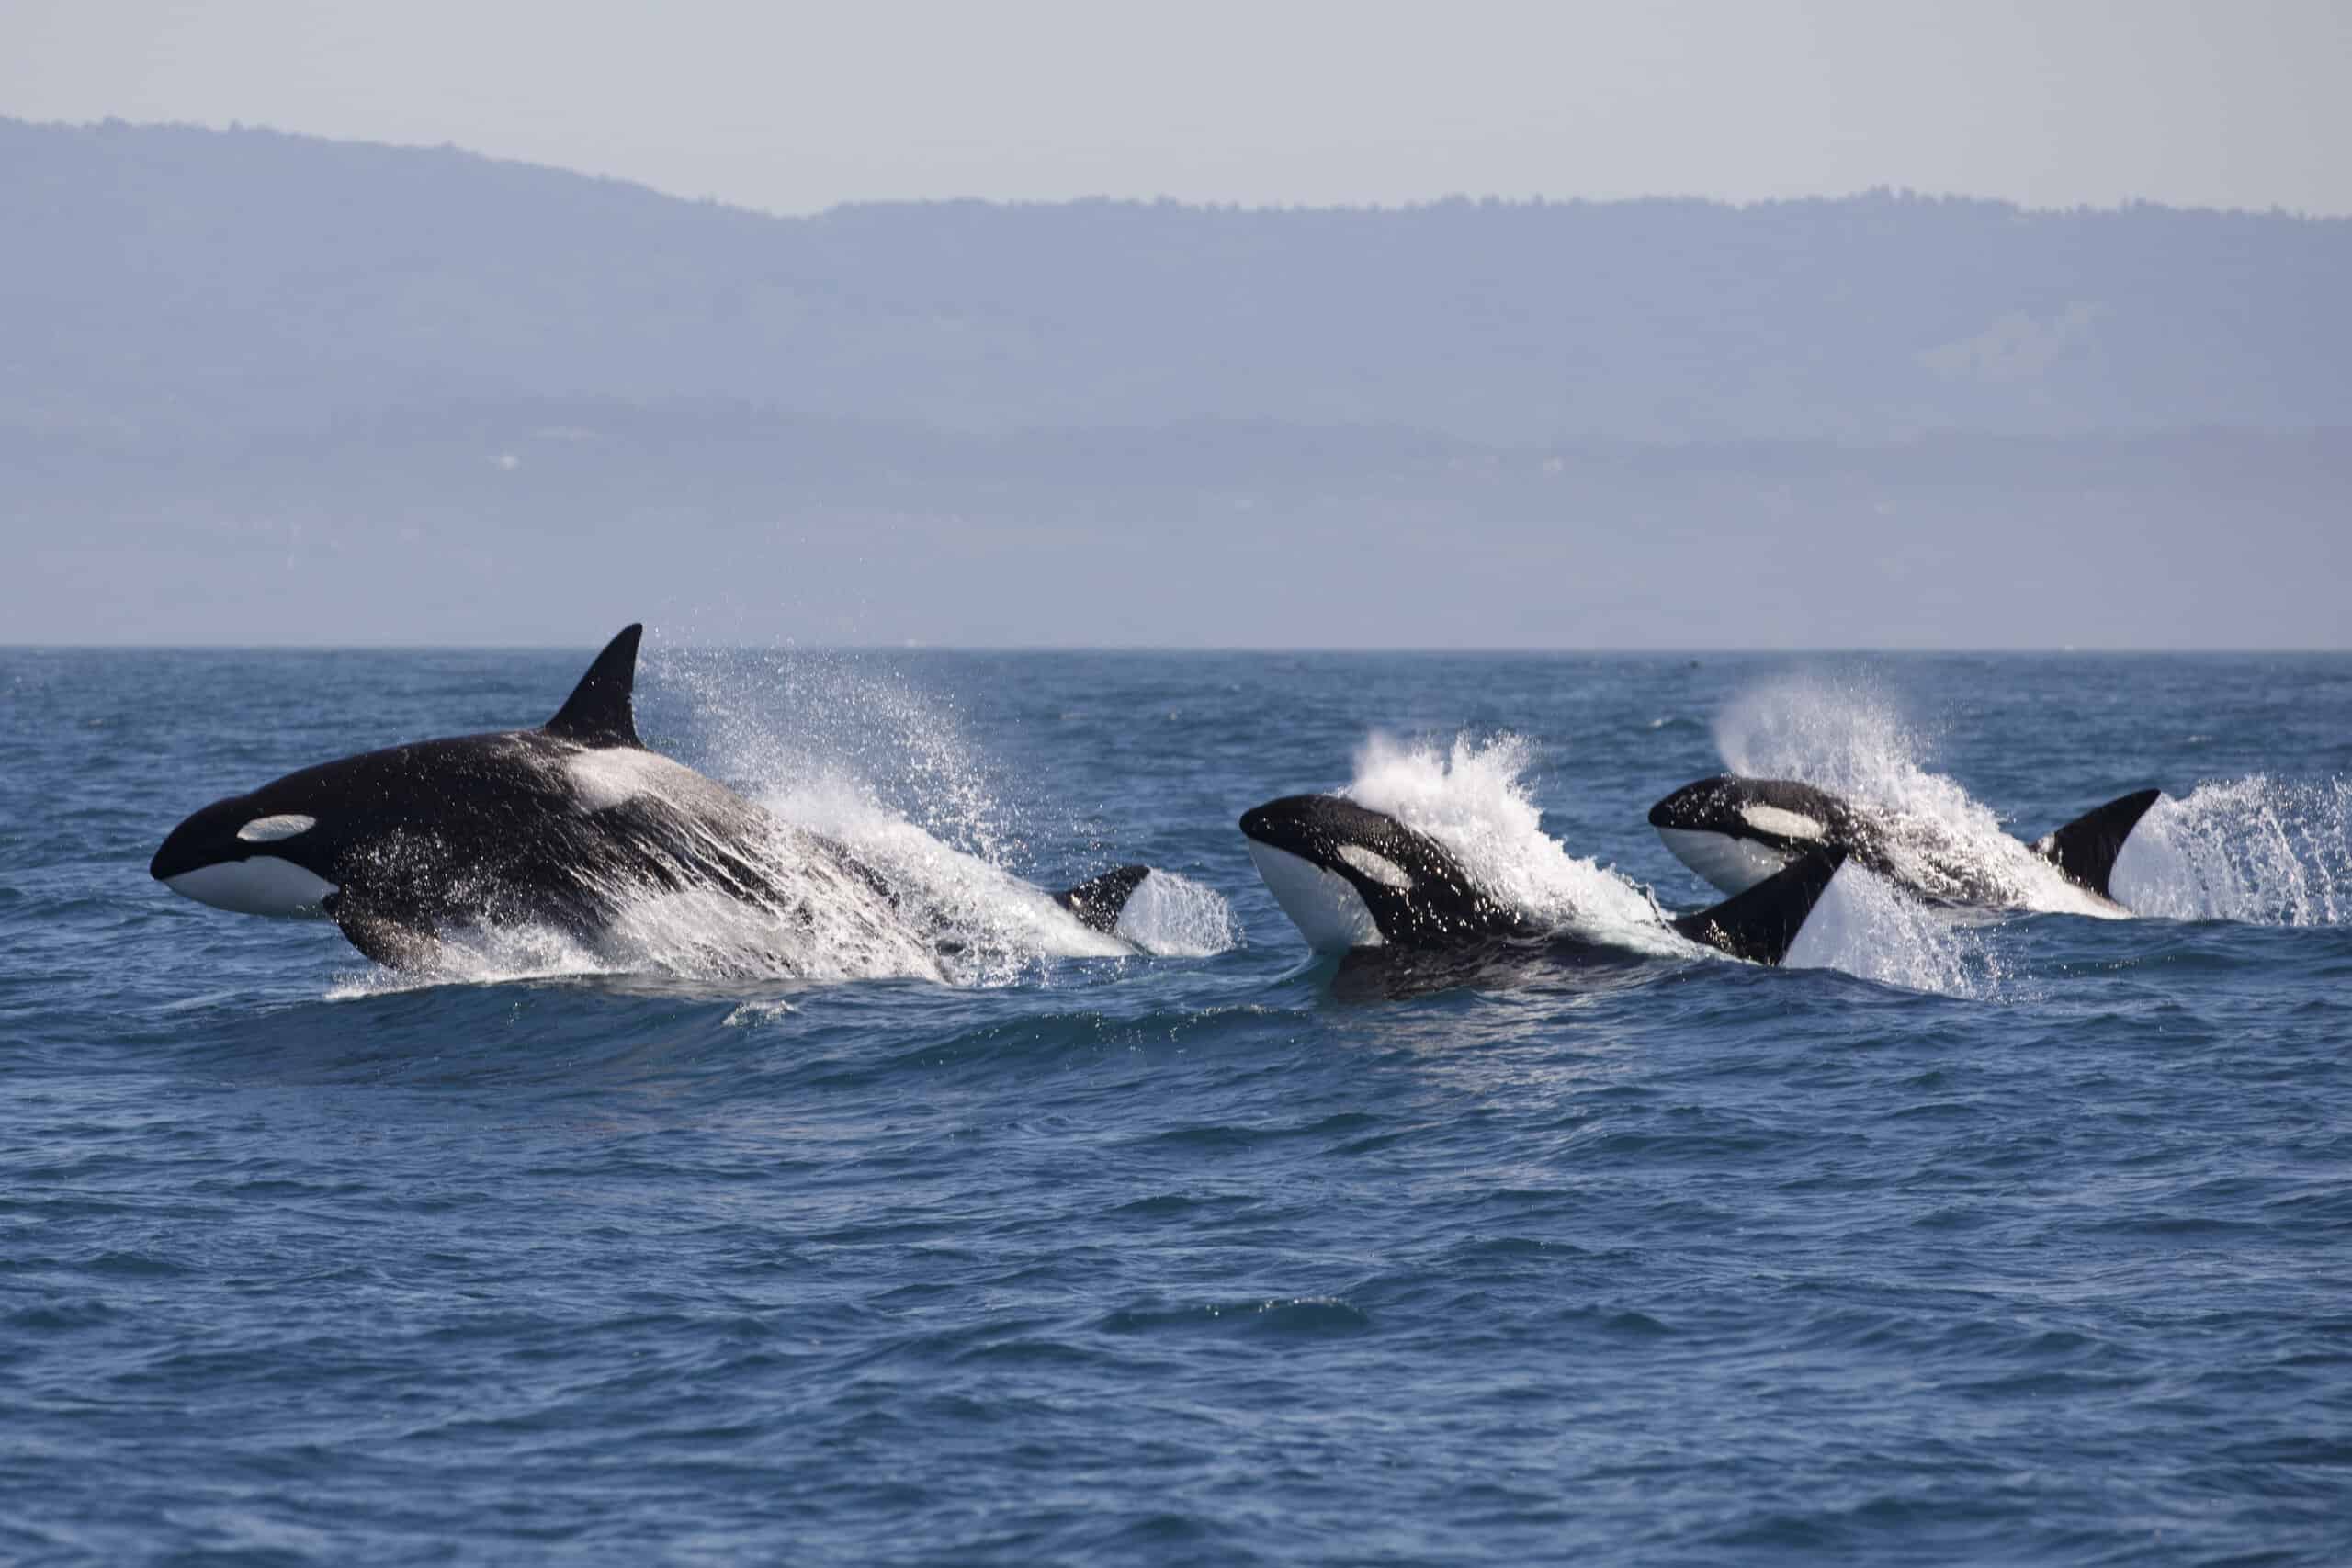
<point>160,285</point>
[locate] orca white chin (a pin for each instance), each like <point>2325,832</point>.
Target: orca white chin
<point>259,885</point>
<point>1731,864</point>
<point>1327,909</point>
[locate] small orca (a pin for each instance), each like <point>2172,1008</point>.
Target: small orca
<point>1354,879</point>
<point>1735,833</point>
<point>559,825</point>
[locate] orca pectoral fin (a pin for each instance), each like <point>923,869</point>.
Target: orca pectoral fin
<point>1761,924</point>
<point>394,943</point>
<point>1098,900</point>
<point>2085,848</point>
<point>601,710</point>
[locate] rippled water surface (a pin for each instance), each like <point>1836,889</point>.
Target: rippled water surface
<point>2033,1242</point>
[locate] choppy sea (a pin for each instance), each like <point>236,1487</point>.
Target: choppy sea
<point>2020,1238</point>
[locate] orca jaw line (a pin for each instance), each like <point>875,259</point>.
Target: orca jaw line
<point>1325,907</point>
<point>1730,863</point>
<point>1738,832</point>
<point>257,885</point>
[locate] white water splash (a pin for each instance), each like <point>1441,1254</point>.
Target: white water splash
<point>1175,917</point>
<point>1470,798</point>
<point>2256,850</point>
<point>1866,926</point>
<point>1846,737</point>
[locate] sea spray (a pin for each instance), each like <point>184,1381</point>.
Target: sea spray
<point>869,760</point>
<point>2263,851</point>
<point>1471,797</point>
<point>1846,736</point>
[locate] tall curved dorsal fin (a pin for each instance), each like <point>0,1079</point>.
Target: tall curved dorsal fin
<point>2085,848</point>
<point>599,712</point>
<point>1761,924</point>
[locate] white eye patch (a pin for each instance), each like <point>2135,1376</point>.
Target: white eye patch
<point>269,830</point>
<point>1787,824</point>
<point>1379,867</point>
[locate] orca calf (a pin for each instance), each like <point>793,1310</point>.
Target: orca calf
<point>1403,907</point>
<point>1736,832</point>
<point>557,827</point>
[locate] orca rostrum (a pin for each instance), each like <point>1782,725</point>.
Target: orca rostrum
<point>559,827</point>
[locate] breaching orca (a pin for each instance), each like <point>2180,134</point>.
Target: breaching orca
<point>555,827</point>
<point>1354,880</point>
<point>1736,832</point>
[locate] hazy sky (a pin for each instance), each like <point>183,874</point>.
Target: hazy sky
<point>795,108</point>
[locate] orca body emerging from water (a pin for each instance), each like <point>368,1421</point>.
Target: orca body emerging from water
<point>557,827</point>
<point>1398,902</point>
<point>1736,832</point>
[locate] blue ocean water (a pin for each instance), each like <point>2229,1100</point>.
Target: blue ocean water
<point>2032,1244</point>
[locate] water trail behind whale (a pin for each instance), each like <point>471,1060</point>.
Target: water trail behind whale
<point>2257,849</point>
<point>1848,738</point>
<point>1471,797</point>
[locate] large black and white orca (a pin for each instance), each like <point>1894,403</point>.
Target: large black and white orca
<point>1359,880</point>
<point>555,827</point>
<point>1736,832</point>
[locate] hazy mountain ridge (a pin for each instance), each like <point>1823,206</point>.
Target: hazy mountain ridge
<point>262,388</point>
<point>167,283</point>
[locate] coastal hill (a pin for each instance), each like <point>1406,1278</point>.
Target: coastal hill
<point>261,388</point>
<point>169,279</point>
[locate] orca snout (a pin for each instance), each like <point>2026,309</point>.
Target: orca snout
<point>194,844</point>
<point>1283,824</point>
<point>1694,807</point>
<point>1316,827</point>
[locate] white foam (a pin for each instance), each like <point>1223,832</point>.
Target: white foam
<point>1470,798</point>
<point>1863,925</point>
<point>2254,849</point>
<point>1846,737</point>
<point>1175,917</point>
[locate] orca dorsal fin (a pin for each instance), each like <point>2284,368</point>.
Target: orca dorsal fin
<point>1098,900</point>
<point>1761,924</point>
<point>2085,848</point>
<point>600,711</point>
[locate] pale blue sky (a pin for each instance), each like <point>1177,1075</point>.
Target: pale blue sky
<point>794,107</point>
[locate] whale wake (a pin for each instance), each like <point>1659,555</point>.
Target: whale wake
<point>1470,794</point>
<point>2256,850</point>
